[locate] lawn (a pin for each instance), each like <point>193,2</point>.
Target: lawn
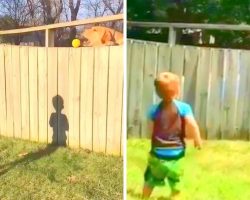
<point>220,171</point>
<point>37,171</point>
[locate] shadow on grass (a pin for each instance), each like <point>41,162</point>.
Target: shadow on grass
<point>59,123</point>
<point>137,195</point>
<point>30,157</point>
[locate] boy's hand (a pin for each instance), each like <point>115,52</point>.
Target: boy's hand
<point>197,143</point>
<point>197,147</point>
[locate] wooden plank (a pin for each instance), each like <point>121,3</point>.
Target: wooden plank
<point>190,68</point>
<point>9,91</point>
<point>177,64</point>
<point>86,106</point>
<point>42,94</point>
<point>115,94</point>
<point>177,60</point>
<point>16,91</point>
<point>63,94</point>
<point>164,55</point>
<point>24,67</point>
<point>163,64</point>
<point>74,96</point>
<point>2,93</point>
<point>230,95</point>
<point>128,67</point>
<point>202,78</point>
<point>33,91</point>
<point>135,92</point>
<point>52,92</point>
<point>150,67</point>
<point>213,119</point>
<point>100,99</point>
<point>243,106</point>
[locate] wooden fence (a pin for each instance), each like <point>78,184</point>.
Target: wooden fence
<point>216,82</point>
<point>63,95</point>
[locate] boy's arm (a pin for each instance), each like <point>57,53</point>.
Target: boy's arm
<point>192,131</point>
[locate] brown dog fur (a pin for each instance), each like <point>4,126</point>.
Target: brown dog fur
<point>99,36</point>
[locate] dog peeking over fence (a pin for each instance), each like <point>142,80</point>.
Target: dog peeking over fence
<point>101,36</point>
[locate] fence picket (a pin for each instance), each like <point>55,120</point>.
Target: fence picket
<point>62,126</point>
<point>52,91</point>
<point>148,85</point>
<point>115,89</point>
<point>230,95</point>
<point>74,96</point>
<point>2,94</point>
<point>100,99</point>
<point>87,87</point>
<point>33,91</point>
<point>190,68</point>
<point>42,94</point>
<point>135,92</point>
<point>201,90</point>
<point>214,101</point>
<point>243,107</point>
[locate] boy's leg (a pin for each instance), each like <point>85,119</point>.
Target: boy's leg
<point>148,187</point>
<point>150,181</point>
<point>174,176</point>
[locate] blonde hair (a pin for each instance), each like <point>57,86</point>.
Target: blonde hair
<point>168,85</point>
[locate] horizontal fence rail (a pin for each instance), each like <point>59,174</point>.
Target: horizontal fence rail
<point>232,27</point>
<point>215,82</point>
<point>69,96</point>
<point>173,26</point>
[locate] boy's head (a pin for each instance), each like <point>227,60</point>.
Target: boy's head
<point>167,86</point>
<point>58,103</point>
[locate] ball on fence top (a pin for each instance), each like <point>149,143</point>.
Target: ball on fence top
<point>76,43</point>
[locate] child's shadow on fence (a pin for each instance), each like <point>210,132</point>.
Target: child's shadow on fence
<point>59,123</point>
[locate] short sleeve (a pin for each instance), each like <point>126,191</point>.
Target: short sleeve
<point>152,111</point>
<point>184,109</point>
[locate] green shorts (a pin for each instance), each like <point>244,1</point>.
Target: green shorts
<point>158,170</point>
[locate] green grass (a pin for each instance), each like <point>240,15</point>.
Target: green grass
<point>37,171</point>
<point>220,171</point>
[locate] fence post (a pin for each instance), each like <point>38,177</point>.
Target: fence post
<point>171,36</point>
<point>49,38</point>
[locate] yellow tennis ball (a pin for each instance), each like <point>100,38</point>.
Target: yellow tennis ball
<point>76,43</point>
